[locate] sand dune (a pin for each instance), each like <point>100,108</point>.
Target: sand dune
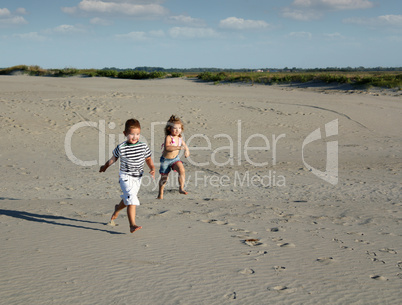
<point>258,225</point>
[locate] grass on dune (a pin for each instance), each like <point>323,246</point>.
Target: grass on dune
<point>127,74</point>
<point>364,79</point>
<point>384,79</point>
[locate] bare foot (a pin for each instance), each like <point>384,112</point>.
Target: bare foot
<point>116,212</point>
<point>134,228</point>
<point>159,197</point>
<point>183,192</point>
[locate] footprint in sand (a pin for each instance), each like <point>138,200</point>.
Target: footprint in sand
<point>281,289</point>
<point>215,221</point>
<point>275,229</point>
<point>372,256</point>
<point>253,242</point>
<point>247,271</point>
<point>355,233</point>
<point>378,277</point>
<point>387,250</point>
<point>287,245</point>
<point>245,235</point>
<point>279,268</point>
<point>231,296</point>
<point>243,231</point>
<point>160,214</point>
<point>325,260</point>
<point>112,223</point>
<point>255,253</point>
<point>362,241</point>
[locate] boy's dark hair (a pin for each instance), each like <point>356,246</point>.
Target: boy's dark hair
<point>173,120</point>
<point>132,123</point>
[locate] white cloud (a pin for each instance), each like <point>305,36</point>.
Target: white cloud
<point>100,21</point>
<point>4,12</point>
<point>67,29</point>
<point>394,38</point>
<point>334,4</point>
<point>13,20</point>
<point>300,35</point>
<point>334,36</point>
<point>141,36</point>
<point>242,24</point>
<point>21,11</point>
<point>385,20</point>
<point>395,20</point>
<point>69,10</point>
<point>189,32</point>
<point>135,1</point>
<point>158,33</point>
<point>32,36</point>
<point>124,8</point>
<point>306,10</point>
<point>7,18</point>
<point>137,36</point>
<point>187,20</point>
<point>301,15</point>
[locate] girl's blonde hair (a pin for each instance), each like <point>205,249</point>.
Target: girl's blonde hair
<point>173,120</point>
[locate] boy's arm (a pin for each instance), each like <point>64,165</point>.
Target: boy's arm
<point>151,166</point>
<point>104,167</point>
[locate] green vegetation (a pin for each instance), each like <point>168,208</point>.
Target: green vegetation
<point>359,77</point>
<point>363,79</point>
<point>66,72</point>
<point>30,70</point>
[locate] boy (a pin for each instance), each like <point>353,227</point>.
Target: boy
<point>133,154</point>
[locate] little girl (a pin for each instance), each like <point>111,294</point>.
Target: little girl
<point>170,156</point>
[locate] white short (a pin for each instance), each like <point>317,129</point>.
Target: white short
<point>130,186</point>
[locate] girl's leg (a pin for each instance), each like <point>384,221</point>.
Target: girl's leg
<point>182,176</point>
<point>162,183</point>
<point>131,209</point>
<point>117,209</point>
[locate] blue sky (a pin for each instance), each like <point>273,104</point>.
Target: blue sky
<point>205,33</point>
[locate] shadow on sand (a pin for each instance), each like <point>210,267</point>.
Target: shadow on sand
<point>54,220</point>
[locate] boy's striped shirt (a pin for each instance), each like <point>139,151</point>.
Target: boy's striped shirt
<point>132,157</point>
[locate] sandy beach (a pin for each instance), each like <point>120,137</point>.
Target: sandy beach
<point>294,194</point>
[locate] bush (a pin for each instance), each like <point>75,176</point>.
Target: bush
<point>205,76</point>
<point>212,77</point>
<point>107,73</point>
<point>177,74</point>
<point>65,72</point>
<point>156,74</point>
<point>133,74</point>
<point>8,71</point>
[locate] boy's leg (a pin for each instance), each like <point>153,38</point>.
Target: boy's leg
<point>182,176</point>
<point>131,210</point>
<point>117,209</point>
<point>162,183</point>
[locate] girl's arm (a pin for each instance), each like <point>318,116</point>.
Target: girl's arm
<point>104,167</point>
<point>186,150</point>
<point>151,166</point>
